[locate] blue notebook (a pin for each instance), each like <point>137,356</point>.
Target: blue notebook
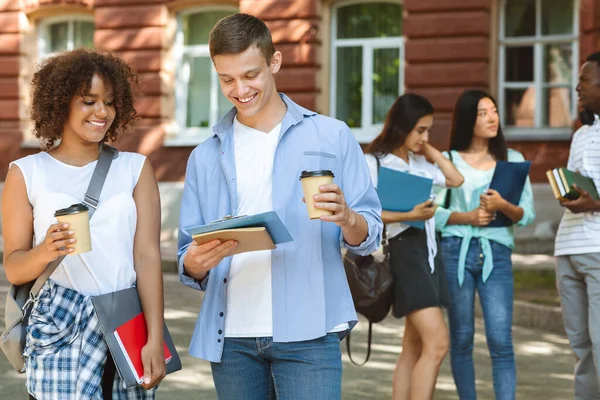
<point>269,220</point>
<point>401,191</point>
<point>509,180</point>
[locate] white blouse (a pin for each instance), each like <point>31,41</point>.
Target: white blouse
<point>52,185</point>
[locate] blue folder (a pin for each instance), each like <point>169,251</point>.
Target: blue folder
<point>269,220</point>
<point>401,191</point>
<point>509,180</point>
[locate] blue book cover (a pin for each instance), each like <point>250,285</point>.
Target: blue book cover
<point>401,191</point>
<point>509,180</point>
<point>269,220</point>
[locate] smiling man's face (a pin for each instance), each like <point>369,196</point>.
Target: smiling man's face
<point>248,81</point>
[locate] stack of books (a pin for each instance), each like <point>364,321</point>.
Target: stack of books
<point>562,181</point>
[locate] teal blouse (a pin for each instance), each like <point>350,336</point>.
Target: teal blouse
<point>466,198</point>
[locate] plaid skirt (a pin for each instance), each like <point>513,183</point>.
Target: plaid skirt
<point>65,351</point>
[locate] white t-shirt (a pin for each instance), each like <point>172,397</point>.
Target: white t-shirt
<point>53,185</point>
<point>417,165</point>
<point>249,290</point>
<point>249,304</point>
<point>580,233</point>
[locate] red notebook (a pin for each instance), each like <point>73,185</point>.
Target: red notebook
<point>132,336</point>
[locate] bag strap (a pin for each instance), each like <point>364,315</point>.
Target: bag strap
<point>91,199</point>
<point>370,335</point>
<point>384,240</point>
<point>448,191</point>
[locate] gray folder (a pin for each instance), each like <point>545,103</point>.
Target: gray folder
<point>115,309</point>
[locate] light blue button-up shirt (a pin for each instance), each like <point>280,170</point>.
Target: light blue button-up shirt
<point>466,198</point>
<point>310,291</point>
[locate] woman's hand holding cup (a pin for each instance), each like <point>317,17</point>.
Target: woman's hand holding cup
<point>58,242</point>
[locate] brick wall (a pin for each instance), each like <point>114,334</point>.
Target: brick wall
<point>590,28</point>
<point>10,37</point>
<point>447,51</point>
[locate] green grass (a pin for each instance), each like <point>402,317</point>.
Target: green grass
<point>536,286</point>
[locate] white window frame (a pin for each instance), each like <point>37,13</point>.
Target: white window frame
<point>367,131</point>
<point>43,32</point>
<point>538,132</point>
<point>184,136</point>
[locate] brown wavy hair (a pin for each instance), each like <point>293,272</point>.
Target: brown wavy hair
<point>69,74</point>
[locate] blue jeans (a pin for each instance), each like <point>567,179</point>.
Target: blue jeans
<point>260,369</point>
<point>496,297</point>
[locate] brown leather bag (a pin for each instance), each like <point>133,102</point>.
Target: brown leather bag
<point>372,286</point>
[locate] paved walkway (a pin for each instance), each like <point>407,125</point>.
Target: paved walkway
<point>544,361</point>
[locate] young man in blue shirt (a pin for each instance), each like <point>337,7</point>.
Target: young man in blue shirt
<point>271,321</point>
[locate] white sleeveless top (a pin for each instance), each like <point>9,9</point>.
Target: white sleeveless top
<point>52,185</point>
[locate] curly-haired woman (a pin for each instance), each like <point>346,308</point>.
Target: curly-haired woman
<point>83,98</point>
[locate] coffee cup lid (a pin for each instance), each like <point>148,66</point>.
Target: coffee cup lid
<point>72,209</point>
<point>309,174</point>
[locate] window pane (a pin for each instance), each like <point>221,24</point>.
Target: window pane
<point>198,102</point>
<point>196,27</point>
<point>558,107</point>
<point>519,107</point>
<point>224,104</point>
<point>519,18</point>
<point>59,37</point>
<point>369,20</point>
<point>349,85</point>
<point>519,64</point>
<point>557,17</point>
<point>558,60</point>
<point>84,34</point>
<point>386,81</point>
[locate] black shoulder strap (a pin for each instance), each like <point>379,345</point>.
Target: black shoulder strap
<point>384,233</point>
<point>448,191</point>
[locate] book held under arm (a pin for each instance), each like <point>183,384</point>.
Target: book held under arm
<point>252,232</point>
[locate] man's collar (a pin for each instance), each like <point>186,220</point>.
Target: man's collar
<point>294,114</point>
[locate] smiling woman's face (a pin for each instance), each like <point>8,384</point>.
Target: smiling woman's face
<point>91,115</point>
<point>486,126</point>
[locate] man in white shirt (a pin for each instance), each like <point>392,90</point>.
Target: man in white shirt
<point>577,247</point>
<point>271,321</point>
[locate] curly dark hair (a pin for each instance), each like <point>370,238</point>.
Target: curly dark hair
<point>61,77</point>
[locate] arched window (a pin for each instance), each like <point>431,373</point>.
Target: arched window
<point>366,64</point>
<point>200,103</point>
<point>65,33</point>
<point>538,67</point>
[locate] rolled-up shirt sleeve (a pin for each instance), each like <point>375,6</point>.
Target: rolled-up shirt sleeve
<point>189,216</point>
<point>360,194</point>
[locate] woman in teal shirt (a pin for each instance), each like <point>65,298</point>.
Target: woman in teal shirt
<point>478,258</point>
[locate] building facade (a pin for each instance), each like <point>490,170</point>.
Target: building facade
<point>349,59</point>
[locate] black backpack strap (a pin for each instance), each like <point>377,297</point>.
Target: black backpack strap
<point>448,191</point>
<point>370,335</point>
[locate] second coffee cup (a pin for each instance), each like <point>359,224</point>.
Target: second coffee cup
<point>77,217</point>
<point>311,181</point>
